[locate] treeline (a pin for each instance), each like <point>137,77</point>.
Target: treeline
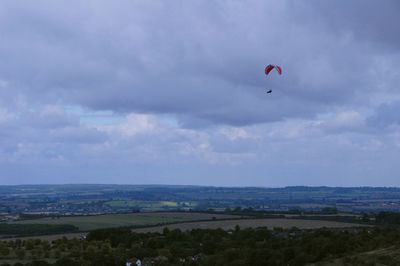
<point>250,246</point>
<point>381,218</point>
<point>35,229</point>
<point>252,211</point>
<point>388,218</point>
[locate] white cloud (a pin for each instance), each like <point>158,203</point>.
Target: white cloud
<point>344,121</point>
<point>134,124</point>
<point>5,116</point>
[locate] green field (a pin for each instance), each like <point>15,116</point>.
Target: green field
<point>150,205</point>
<point>85,223</point>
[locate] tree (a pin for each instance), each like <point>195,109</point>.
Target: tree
<point>20,253</point>
<point>57,253</point>
<point>4,250</point>
<point>46,245</point>
<point>38,263</point>
<point>166,231</point>
<point>66,262</point>
<point>29,244</point>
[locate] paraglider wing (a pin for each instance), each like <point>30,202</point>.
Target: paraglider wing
<point>279,69</point>
<point>270,67</point>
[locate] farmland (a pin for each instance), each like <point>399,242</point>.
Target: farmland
<point>107,199</point>
<point>148,205</point>
<point>91,222</point>
<point>52,209</point>
<point>156,221</point>
<point>187,225</point>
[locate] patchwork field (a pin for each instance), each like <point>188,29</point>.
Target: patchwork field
<point>87,223</point>
<point>185,218</point>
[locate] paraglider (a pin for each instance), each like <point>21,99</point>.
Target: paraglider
<point>269,68</point>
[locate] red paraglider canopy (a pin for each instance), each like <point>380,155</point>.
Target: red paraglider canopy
<point>270,67</point>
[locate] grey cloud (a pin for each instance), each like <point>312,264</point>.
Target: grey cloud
<point>49,117</point>
<point>344,122</point>
<point>385,115</point>
<point>78,135</point>
<point>374,21</point>
<point>200,61</point>
<point>222,144</point>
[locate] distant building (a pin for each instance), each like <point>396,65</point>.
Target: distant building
<point>133,262</point>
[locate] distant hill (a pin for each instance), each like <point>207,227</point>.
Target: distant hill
<point>99,198</point>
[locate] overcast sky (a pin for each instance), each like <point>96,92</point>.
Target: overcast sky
<point>174,92</point>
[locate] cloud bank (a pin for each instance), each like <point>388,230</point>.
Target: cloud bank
<point>173,92</point>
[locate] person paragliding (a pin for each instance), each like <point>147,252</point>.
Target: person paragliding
<point>269,68</point>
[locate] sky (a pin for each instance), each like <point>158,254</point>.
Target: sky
<point>174,92</point>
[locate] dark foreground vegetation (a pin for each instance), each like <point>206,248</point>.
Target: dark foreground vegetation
<point>208,247</point>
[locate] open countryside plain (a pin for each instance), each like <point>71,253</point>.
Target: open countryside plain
<point>181,220</point>
<point>92,222</point>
